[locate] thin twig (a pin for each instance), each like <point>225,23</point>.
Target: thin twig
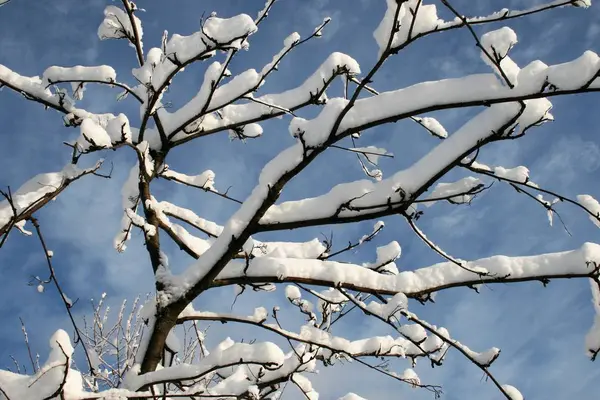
<point>63,297</point>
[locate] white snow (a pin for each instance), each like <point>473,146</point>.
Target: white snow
<point>233,114</point>
<point>352,396</point>
<point>218,31</point>
<point>292,292</point>
<point>519,174</point>
<point>102,73</point>
<point>144,73</point>
<point>369,194</point>
<point>574,74</point>
<point>498,42</point>
<point>226,354</point>
<point>49,377</point>
<point>118,129</point>
<point>306,386</point>
<point>512,392</point>
<point>92,136</point>
<point>116,24</point>
<point>265,10</point>
<point>424,16</point>
<point>78,76</point>
<point>288,43</point>
<point>409,375</point>
<point>413,332</point>
<point>252,130</point>
<point>390,309</point>
<point>316,131</point>
<point>130,196</point>
<point>592,339</point>
<point>384,345</point>
<point>35,87</point>
<point>308,250</point>
<point>386,255</point>
<point>592,205</point>
<point>204,180</point>
<point>457,191</point>
<point>37,189</point>
<point>190,217</point>
<point>418,281</point>
<point>432,126</point>
<point>143,149</point>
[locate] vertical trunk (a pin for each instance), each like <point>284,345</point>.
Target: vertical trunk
<point>166,318</point>
<point>165,321</point>
<point>152,241</point>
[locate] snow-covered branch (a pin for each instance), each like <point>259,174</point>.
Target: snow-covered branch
<point>228,354</point>
<point>36,193</point>
<point>312,91</point>
<point>384,346</point>
<point>141,356</point>
<point>419,282</point>
<point>35,89</point>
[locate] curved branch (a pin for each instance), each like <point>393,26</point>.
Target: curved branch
<point>530,186</point>
<point>266,354</point>
<point>100,82</point>
<point>461,348</point>
<point>421,235</point>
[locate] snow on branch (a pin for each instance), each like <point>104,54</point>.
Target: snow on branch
<point>406,20</point>
<point>130,196</point>
<point>78,76</point>
<point>364,197</point>
<point>96,137</point>
<point>154,364</point>
<point>418,282</point>
<point>352,396</point>
<point>37,192</point>
<point>506,14</point>
<point>592,206</point>
<point>179,51</point>
<point>592,339</point>
<point>36,89</point>
<point>432,126</point>
<point>331,346</point>
<point>183,214</point>
<point>518,178</point>
<point>204,181</point>
<point>54,376</point>
<point>313,136</point>
<point>117,25</point>
<point>228,354</point>
<point>481,360</point>
<point>265,106</point>
<point>459,192</point>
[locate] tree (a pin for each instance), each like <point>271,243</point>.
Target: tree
<point>513,100</point>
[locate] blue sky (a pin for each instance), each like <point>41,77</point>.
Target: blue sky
<point>540,331</point>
